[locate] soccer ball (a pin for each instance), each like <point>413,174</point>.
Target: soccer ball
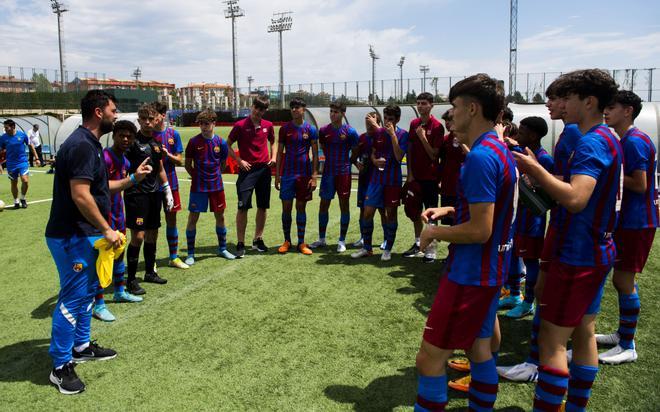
<point>2,205</point>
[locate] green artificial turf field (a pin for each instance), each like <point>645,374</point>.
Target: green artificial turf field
<point>268,332</point>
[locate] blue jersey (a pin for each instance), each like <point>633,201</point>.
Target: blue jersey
<point>337,144</point>
<point>488,175</point>
<point>15,145</point>
<point>117,170</point>
<point>171,140</point>
<point>207,155</point>
<point>562,154</point>
<point>586,237</point>
<point>382,148</point>
<point>639,210</point>
<point>527,223</point>
<point>297,140</point>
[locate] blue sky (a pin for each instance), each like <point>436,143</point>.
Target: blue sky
<point>184,42</point>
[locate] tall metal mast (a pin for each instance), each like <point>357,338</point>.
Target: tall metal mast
<point>59,9</point>
<point>513,47</point>
<point>232,12</point>
<point>278,23</point>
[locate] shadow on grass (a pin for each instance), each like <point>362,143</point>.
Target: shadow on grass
<point>45,310</point>
<point>389,392</point>
<point>24,361</point>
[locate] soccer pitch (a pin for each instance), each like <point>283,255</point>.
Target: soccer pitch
<point>268,332</point>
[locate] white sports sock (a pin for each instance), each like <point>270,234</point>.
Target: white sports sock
<point>16,200</point>
<point>82,347</point>
<point>22,197</point>
<point>417,241</point>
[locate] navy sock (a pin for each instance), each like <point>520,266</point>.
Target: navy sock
<point>149,252</point>
<point>367,230</point>
<point>629,307</point>
<point>344,222</point>
<point>323,224</point>
<point>221,232</point>
<point>190,239</point>
<point>431,393</point>
<point>301,223</point>
<point>532,266</point>
<point>132,256</point>
<point>286,225</point>
<point>172,234</point>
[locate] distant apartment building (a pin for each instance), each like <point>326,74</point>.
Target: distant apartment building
<point>83,84</point>
<point>10,84</point>
<point>216,96</point>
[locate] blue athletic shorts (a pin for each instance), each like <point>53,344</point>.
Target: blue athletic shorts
<point>18,171</point>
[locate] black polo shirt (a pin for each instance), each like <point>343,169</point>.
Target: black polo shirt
<point>145,147</point>
<point>80,157</point>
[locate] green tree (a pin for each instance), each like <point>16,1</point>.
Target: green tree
<point>537,98</point>
<point>41,83</point>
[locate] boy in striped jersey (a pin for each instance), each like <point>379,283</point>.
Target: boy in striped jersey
<point>172,151</point>
<point>388,147</point>
<point>296,174</point>
<point>463,315</point>
<point>338,141</point>
<point>123,137</point>
<point>638,221</point>
<point>206,154</point>
<point>585,252</point>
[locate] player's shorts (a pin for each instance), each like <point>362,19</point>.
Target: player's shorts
<point>448,201</point>
<point>143,210</point>
<point>177,202</point>
<point>570,292</point>
<point>331,184</point>
<point>199,202</point>
<point>379,195</point>
<point>632,248</point>
<point>430,193</point>
<point>258,180</point>
<point>18,171</point>
<point>295,187</point>
<point>363,184</point>
<point>527,247</point>
<point>460,314</point>
<point>550,248</point>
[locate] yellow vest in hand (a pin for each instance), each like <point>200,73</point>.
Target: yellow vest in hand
<point>105,261</point>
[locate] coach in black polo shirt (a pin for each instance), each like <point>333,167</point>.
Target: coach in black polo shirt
<point>78,217</point>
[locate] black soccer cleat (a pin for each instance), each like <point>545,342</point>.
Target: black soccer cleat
<point>259,245</point>
<point>240,250</point>
<point>134,288</point>
<point>93,352</point>
<point>414,251</point>
<point>23,204</point>
<point>67,380</point>
<point>154,278</point>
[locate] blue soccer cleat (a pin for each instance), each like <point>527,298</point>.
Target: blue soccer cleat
<point>226,254</point>
<point>126,297</point>
<point>521,310</point>
<point>190,260</point>
<point>509,302</point>
<point>101,312</point>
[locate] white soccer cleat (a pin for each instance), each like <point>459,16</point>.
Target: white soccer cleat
<point>341,247</point>
<point>387,255</point>
<point>383,245</point>
<point>318,243</point>
<point>611,339</point>
<point>522,372</point>
<point>618,355</point>
<point>359,243</point>
<point>361,253</point>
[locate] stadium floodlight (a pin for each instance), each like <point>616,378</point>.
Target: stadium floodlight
<point>279,23</point>
<point>250,79</point>
<point>424,70</point>
<point>59,9</point>
<point>233,11</point>
<point>400,64</point>
<point>137,73</point>
<point>374,57</point>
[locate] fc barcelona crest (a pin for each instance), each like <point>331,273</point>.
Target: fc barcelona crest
<point>170,141</point>
<point>156,149</point>
<point>77,267</point>
<point>139,221</point>
<point>305,136</point>
<point>216,149</point>
<point>342,136</point>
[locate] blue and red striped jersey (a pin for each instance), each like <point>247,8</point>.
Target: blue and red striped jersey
<point>297,140</point>
<point>337,144</point>
<point>527,223</point>
<point>382,148</point>
<point>364,155</point>
<point>561,155</point>
<point>117,170</point>
<point>171,140</point>
<point>586,237</point>
<point>208,156</point>
<point>488,175</point>
<point>639,210</point>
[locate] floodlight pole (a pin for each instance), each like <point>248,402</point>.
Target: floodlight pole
<point>232,12</point>
<point>59,9</point>
<point>137,73</point>
<point>250,79</point>
<point>513,47</point>
<point>400,64</point>
<point>374,57</point>
<point>279,23</point>
<point>424,70</point>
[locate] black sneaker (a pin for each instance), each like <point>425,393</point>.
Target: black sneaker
<point>24,203</point>
<point>67,380</point>
<point>134,288</point>
<point>154,278</point>
<point>93,352</point>
<point>428,259</point>
<point>413,251</point>
<point>259,245</point>
<point>17,205</point>
<point>240,250</point>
